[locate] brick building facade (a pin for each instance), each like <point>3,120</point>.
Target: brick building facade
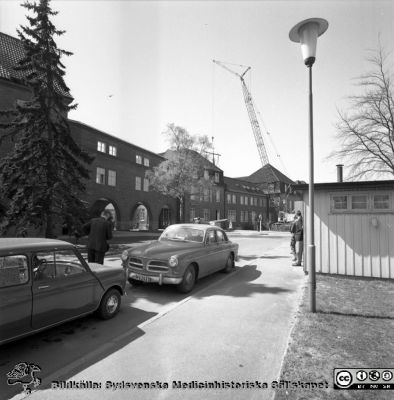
<point>245,204</point>
<point>117,180</point>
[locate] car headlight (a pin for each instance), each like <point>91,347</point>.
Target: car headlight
<point>173,261</point>
<point>125,255</point>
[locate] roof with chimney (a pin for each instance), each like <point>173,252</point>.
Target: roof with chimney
<point>349,185</point>
<point>267,174</point>
<point>11,52</point>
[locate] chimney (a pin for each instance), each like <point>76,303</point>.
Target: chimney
<point>339,172</point>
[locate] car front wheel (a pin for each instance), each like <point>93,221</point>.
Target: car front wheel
<point>189,280</point>
<point>110,304</point>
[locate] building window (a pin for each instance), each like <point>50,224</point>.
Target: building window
<point>228,198</point>
<point>339,202</point>
<point>100,176</point>
<point>206,195</point>
<point>232,215</point>
<point>112,151</point>
<point>359,202</point>
<point>234,199</point>
<point>194,193</point>
<point>146,185</point>
<point>201,195</point>
<point>206,174</point>
<point>206,214</point>
<point>138,159</point>
<point>101,146</point>
<point>241,200</point>
<point>137,183</point>
<point>246,200</point>
<point>253,216</point>
<point>217,196</point>
<point>381,202</point>
<point>146,162</point>
<point>111,178</point>
<point>217,177</point>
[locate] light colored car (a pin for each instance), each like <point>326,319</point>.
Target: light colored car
<point>45,282</point>
<point>182,254</point>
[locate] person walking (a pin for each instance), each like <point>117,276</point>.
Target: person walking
<point>99,230</point>
<point>299,239</point>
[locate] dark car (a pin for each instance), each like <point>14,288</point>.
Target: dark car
<point>182,254</point>
<point>45,282</point>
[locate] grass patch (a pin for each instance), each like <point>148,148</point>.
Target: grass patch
<point>352,328</point>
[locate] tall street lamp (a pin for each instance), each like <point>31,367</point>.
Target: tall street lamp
<point>306,33</point>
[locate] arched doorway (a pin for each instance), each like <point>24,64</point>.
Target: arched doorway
<point>105,204</point>
<point>110,207</point>
<point>164,217</point>
<point>140,218</point>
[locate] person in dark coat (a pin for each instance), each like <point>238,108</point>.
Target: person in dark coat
<point>99,231</point>
<point>292,240</point>
<point>299,239</point>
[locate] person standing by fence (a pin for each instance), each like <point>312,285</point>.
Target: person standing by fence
<point>299,239</point>
<point>292,240</point>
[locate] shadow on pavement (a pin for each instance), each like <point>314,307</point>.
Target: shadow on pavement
<point>240,284</point>
<point>71,347</point>
<point>256,236</point>
<point>249,258</point>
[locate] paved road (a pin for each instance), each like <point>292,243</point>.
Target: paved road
<point>233,328</point>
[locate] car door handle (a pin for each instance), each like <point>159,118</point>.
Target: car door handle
<point>43,287</point>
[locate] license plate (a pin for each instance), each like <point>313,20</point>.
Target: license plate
<point>142,278</point>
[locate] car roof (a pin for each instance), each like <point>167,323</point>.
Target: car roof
<point>7,244</point>
<point>196,226</point>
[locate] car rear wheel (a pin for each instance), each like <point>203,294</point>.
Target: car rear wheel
<point>110,304</point>
<point>189,280</point>
<point>229,264</point>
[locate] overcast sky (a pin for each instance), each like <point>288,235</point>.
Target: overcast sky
<point>139,65</point>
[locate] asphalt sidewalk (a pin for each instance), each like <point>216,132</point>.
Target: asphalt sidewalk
<point>226,341</point>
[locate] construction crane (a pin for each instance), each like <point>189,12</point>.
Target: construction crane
<point>251,111</point>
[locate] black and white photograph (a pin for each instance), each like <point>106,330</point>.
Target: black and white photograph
<point>196,199</point>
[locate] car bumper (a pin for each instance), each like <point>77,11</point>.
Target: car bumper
<point>160,278</point>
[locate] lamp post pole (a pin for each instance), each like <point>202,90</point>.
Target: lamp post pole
<point>306,33</point>
<point>311,223</point>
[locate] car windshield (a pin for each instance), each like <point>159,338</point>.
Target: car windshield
<point>182,233</point>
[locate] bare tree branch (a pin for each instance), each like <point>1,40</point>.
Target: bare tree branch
<point>366,131</point>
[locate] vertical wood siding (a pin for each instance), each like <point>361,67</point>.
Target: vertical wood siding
<point>348,244</point>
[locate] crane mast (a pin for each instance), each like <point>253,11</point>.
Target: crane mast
<point>251,113</point>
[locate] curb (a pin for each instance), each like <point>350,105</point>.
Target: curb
<point>295,318</point>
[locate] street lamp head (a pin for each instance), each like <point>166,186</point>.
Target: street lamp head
<point>306,32</point>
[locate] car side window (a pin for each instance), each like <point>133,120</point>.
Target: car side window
<point>13,270</point>
<point>68,263</point>
<point>211,238</point>
<point>44,265</point>
<point>220,236</point>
